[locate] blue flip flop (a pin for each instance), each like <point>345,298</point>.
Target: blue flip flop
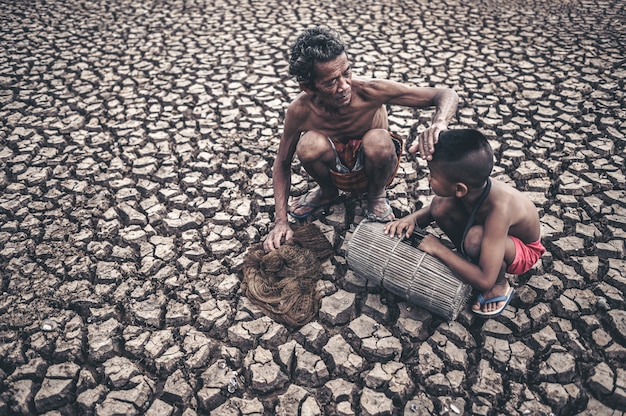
<point>506,299</point>
<point>302,202</point>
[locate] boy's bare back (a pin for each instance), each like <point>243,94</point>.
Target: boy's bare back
<point>512,208</point>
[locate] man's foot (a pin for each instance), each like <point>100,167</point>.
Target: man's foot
<point>494,301</point>
<point>308,203</point>
<point>380,210</point>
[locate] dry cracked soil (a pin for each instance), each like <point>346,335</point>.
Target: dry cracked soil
<point>136,145</point>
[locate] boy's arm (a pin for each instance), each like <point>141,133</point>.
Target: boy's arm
<point>483,275</point>
<point>407,224</point>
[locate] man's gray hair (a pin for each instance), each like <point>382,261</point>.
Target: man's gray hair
<point>317,44</point>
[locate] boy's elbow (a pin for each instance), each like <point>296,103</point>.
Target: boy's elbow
<point>485,283</point>
<point>483,286</point>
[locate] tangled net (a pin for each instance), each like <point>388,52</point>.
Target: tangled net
<point>282,283</point>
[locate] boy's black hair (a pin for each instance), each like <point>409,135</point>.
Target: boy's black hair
<point>466,154</point>
<point>316,44</point>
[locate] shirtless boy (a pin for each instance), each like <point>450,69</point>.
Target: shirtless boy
<point>489,222</point>
<point>338,127</point>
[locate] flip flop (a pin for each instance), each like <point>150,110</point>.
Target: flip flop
<point>373,217</point>
<point>302,202</point>
<point>482,301</point>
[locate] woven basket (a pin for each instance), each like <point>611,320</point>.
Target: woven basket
<point>394,264</point>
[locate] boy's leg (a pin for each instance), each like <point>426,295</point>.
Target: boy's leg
<point>450,216</point>
<point>501,286</point>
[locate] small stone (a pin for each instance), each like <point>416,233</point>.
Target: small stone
<point>160,408</point>
<point>313,335</point>
<point>488,383</point>
<point>54,393</point>
<point>376,342</point>
<point>236,406</point>
<point>177,389</point>
<point>290,402</point>
<point>339,390</point>
<point>375,404</point>
<point>413,321</point>
<point>265,375</point>
<point>309,369</point>
<point>88,399</point>
<point>558,368</point>
<point>119,371</point>
<point>345,361</point>
<point>374,308</point>
<point>338,308</point>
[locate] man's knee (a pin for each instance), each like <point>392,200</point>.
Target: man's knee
<point>377,144</point>
<point>312,146</point>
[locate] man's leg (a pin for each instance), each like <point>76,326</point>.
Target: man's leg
<point>380,161</point>
<point>317,157</point>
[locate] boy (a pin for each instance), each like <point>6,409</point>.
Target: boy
<point>495,226</point>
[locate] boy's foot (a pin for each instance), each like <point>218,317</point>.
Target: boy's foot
<point>380,210</point>
<point>308,203</point>
<point>494,301</point>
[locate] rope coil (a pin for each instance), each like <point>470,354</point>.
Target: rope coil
<point>282,283</point>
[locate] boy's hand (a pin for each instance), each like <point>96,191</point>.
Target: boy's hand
<point>430,244</point>
<point>404,225</point>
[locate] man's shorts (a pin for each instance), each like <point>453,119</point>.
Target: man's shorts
<point>349,175</point>
<point>526,255</point>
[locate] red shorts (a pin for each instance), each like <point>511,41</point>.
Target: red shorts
<point>526,255</point>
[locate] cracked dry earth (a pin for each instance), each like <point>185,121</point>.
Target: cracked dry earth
<point>136,145</point>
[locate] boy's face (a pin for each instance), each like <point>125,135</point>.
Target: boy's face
<point>438,181</point>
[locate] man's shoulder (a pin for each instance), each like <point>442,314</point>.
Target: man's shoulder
<point>375,89</point>
<point>300,104</point>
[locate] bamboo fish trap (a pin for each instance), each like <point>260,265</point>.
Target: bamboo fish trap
<point>404,270</point>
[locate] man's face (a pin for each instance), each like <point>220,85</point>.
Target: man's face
<point>333,81</point>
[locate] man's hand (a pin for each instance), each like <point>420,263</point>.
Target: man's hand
<point>427,139</point>
<point>404,225</point>
<point>281,232</point>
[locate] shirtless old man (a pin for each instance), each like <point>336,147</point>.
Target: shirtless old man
<point>338,127</point>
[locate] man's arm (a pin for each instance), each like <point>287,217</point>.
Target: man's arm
<point>444,99</point>
<point>281,179</point>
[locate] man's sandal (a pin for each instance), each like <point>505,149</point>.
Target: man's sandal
<point>384,217</point>
<point>303,201</point>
